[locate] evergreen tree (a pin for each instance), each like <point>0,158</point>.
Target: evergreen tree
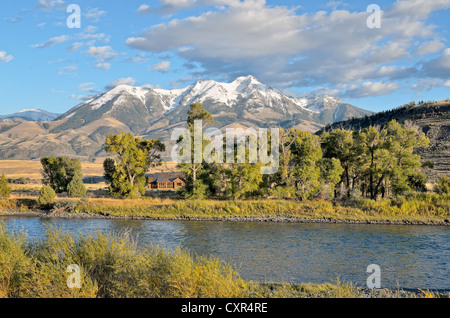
<point>5,189</point>
<point>76,188</point>
<point>46,195</point>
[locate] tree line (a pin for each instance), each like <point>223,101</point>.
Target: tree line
<point>373,163</point>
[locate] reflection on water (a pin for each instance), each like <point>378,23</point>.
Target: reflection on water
<point>409,256</point>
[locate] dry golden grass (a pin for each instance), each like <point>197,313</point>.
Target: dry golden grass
<point>15,169</point>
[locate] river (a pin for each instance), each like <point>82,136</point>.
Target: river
<point>409,256</point>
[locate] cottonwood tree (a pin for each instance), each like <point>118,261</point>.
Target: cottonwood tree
<point>195,187</point>
<point>133,158</point>
<point>340,144</point>
<point>307,154</point>
<point>402,142</point>
<point>58,172</point>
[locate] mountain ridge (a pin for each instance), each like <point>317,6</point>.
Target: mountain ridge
<point>153,112</point>
<point>37,115</point>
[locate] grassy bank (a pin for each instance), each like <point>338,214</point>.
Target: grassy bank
<point>414,208</point>
<point>113,266</point>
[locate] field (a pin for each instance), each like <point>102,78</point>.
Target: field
<point>31,169</point>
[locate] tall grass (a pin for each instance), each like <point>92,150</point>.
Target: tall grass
<point>111,266</point>
<point>422,207</point>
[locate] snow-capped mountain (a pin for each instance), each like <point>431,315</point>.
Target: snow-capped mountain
<point>37,115</point>
<point>244,98</point>
<point>154,113</point>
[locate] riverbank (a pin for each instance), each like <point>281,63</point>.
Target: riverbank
<point>112,266</point>
<point>68,215</point>
<point>417,209</point>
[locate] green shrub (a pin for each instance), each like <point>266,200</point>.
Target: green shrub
<point>442,185</point>
<point>5,189</point>
<point>76,188</point>
<point>47,195</point>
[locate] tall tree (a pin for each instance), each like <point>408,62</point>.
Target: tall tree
<point>133,158</point>
<point>306,175</point>
<point>59,172</point>
<point>373,142</point>
<point>194,187</point>
<point>5,189</point>
<point>340,144</point>
<point>403,140</point>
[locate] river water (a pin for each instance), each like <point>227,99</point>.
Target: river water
<point>409,257</point>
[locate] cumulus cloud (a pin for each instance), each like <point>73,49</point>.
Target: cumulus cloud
<point>285,48</point>
<point>54,40</point>
<point>103,55</point>
<point>121,81</point>
<point>368,89</point>
<point>163,66</point>
<point>144,9</point>
<point>5,57</point>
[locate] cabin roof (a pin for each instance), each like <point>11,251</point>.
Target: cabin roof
<point>165,177</point>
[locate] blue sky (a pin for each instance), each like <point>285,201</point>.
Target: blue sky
<point>295,46</point>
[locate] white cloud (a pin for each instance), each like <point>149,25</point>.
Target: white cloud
<point>430,47</point>
<point>48,5</point>
<point>54,40</point>
<point>82,97</point>
<point>5,58</point>
<point>94,14</point>
<point>163,66</point>
<point>99,50</point>
<point>368,89</point>
<point>285,48</point>
<point>416,9</point>
<point>75,46</point>
<point>121,81</point>
<point>103,66</point>
<point>139,58</point>
<point>68,70</point>
<point>144,9</point>
<point>428,84</point>
<point>87,87</point>
<point>103,55</point>
<point>90,33</point>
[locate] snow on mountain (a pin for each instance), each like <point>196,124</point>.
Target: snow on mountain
<point>243,90</point>
<point>36,115</point>
<point>100,100</point>
<point>144,109</point>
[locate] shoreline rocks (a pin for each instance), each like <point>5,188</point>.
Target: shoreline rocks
<point>274,219</point>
